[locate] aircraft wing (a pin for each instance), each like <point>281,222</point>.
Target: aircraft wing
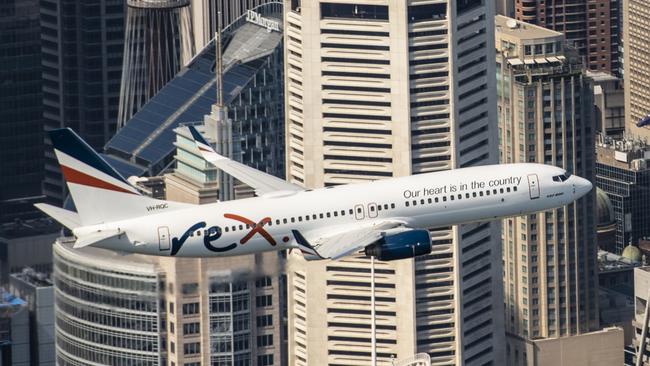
<point>263,183</point>
<point>342,243</point>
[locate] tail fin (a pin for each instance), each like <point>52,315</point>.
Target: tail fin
<point>99,192</point>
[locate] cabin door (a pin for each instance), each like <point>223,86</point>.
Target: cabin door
<point>163,238</point>
<point>533,186</point>
<point>359,213</point>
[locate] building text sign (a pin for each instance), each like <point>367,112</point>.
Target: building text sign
<point>257,18</point>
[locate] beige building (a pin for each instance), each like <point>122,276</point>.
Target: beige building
<point>545,116</point>
<point>609,103</point>
<point>377,89</point>
<point>636,17</point>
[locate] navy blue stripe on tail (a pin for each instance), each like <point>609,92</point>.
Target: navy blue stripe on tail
<point>68,142</point>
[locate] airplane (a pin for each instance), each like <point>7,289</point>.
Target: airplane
<point>387,219</point>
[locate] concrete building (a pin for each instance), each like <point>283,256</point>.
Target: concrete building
<point>616,292</point>
<point>376,89</point>
<point>14,331</point>
<point>37,290</point>
<point>636,16</point>
<point>82,44</point>
<point>544,113</point>
<point>21,110</point>
<point>609,103</point>
<point>622,173</point>
<point>592,27</point>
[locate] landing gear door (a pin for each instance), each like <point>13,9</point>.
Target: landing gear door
<point>533,186</point>
<point>163,238</point>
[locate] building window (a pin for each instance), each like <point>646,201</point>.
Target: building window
<point>190,288</point>
<point>354,11</point>
<point>190,309</point>
<point>264,360</point>
<point>191,328</point>
<point>192,348</point>
<point>265,340</point>
<point>264,301</point>
<point>265,320</point>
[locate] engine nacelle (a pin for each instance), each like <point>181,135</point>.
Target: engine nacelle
<point>407,244</point>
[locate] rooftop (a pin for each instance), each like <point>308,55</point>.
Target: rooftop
<point>630,153</point>
<point>36,279</point>
<point>522,30</point>
<point>22,229</point>
<point>609,262</point>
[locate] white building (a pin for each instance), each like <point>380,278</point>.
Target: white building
<point>376,89</point>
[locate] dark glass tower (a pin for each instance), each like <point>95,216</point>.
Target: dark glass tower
<point>83,43</point>
<point>21,121</point>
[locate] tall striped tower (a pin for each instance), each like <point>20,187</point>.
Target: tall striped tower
<point>158,42</point>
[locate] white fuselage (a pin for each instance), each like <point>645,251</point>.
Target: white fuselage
<point>420,201</point>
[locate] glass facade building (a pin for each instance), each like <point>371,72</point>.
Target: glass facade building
<point>82,45</point>
<point>622,172</point>
<point>21,112</point>
<point>107,310</point>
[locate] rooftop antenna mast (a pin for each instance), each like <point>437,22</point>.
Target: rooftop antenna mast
<point>219,66</point>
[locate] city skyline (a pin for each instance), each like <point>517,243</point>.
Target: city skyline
<point>320,94</point>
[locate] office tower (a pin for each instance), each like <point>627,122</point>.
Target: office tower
<point>622,172</point>
<point>505,7</point>
<point>158,42</point>
<point>637,53</point>
<point>205,16</point>
<point>14,330</point>
<point>545,116</point>
<point>591,26</point>
<point>36,288</point>
<point>252,88</point>
<point>380,89</point>
<point>82,44</point>
<point>21,112</point>
<point>609,103</point>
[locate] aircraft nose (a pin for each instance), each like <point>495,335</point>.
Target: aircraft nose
<point>583,186</point>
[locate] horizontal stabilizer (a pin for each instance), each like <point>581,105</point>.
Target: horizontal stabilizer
<point>69,219</point>
<point>93,238</point>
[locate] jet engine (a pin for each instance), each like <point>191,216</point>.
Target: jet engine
<point>406,244</point>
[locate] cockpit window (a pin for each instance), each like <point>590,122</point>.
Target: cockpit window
<point>561,178</point>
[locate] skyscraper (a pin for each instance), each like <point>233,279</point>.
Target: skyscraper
<point>637,53</point>
<point>158,42</point>
<point>82,44</point>
<point>21,111</point>
<point>591,26</point>
<point>381,89</point>
<point>545,106</point>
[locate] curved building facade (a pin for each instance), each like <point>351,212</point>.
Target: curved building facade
<point>107,309</point>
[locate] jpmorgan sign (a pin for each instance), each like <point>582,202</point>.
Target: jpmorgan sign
<point>257,18</point>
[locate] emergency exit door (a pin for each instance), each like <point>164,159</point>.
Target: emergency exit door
<point>533,186</point>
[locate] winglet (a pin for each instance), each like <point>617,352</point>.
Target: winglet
<point>307,250</point>
<point>204,147</point>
